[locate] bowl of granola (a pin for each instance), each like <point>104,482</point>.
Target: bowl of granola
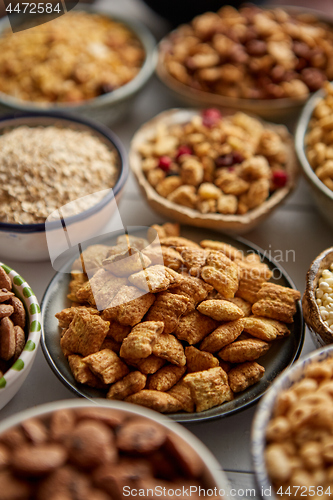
<point>55,67</point>
<point>194,329</point>
<point>20,329</point>
<point>264,61</point>
<point>61,177</point>
<point>208,168</point>
<point>104,450</point>
<point>313,144</point>
<point>292,431</point>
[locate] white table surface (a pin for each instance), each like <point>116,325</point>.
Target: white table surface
<point>295,226</point>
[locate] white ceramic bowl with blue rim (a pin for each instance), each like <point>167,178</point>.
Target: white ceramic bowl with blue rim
<point>13,379</point>
<point>264,413</point>
<point>27,242</point>
<point>213,476</point>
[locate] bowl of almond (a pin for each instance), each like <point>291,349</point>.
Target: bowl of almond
<point>104,450</point>
<point>214,169</point>
<point>190,325</point>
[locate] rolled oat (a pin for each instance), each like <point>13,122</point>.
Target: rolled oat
<point>44,168</point>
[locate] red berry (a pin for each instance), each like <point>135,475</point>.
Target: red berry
<point>210,117</point>
<point>184,150</point>
<point>224,161</point>
<point>237,157</point>
<point>280,178</point>
<point>231,169</point>
<point>164,163</point>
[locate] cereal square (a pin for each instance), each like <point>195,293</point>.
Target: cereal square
<point>85,334</point>
<point>139,342</point>
<point>194,327</point>
<point>106,365</point>
<point>209,388</point>
<point>168,347</point>
<point>132,383</point>
<point>168,308</point>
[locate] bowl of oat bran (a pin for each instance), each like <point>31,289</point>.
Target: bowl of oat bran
<point>51,162</point>
<point>56,67</point>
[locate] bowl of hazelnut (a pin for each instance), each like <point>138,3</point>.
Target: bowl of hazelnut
<point>264,61</point>
<point>317,300</point>
<point>207,169</point>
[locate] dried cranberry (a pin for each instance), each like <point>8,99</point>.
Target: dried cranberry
<point>231,169</point>
<point>210,117</point>
<point>280,178</point>
<point>164,163</point>
<point>229,159</point>
<point>237,157</point>
<point>224,161</point>
<point>184,150</point>
<point>106,88</point>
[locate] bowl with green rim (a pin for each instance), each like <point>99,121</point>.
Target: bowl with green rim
<point>12,380</point>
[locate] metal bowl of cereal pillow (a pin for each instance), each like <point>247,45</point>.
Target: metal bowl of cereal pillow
<point>313,142</point>
<point>214,169</point>
<point>292,430</point>
<point>318,297</point>
<point>20,330</point>
<point>61,178</point>
<point>254,59</point>
<point>61,69</point>
<point>105,450</point>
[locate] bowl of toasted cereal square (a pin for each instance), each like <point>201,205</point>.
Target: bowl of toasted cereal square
<point>214,169</point>
<point>61,69</point>
<point>104,450</point>
<point>191,325</point>
<point>20,330</point>
<point>292,431</point>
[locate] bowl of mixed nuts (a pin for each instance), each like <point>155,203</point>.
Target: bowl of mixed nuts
<point>97,77</point>
<point>104,450</point>
<point>59,175</point>
<point>264,61</point>
<point>208,168</point>
<point>313,142</point>
<point>318,298</point>
<point>20,330</point>
<point>292,431</point>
